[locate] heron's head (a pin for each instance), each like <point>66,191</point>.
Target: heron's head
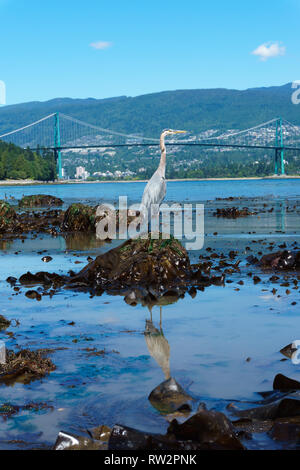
<point>172,132</point>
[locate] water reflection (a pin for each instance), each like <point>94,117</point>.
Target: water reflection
<point>5,244</point>
<point>80,241</point>
<point>158,345</point>
<point>168,397</point>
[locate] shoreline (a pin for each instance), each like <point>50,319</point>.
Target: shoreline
<point>50,183</point>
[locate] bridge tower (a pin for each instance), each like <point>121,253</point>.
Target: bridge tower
<point>57,152</point>
<point>279,152</point>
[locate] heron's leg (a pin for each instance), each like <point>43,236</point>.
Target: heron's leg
<point>160,317</point>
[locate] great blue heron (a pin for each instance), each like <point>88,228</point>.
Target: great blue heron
<point>155,190</point>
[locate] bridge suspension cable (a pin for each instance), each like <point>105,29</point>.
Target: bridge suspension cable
<point>27,127</point>
<point>108,131</point>
<point>61,132</point>
<point>75,133</point>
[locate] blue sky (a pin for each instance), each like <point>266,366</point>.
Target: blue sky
<point>95,48</point>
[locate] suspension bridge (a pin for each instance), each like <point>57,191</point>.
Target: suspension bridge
<point>58,132</point>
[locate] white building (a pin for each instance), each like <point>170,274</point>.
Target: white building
<point>81,173</point>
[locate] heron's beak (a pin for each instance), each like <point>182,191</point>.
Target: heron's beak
<point>180,132</point>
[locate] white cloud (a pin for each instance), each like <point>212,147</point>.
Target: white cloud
<point>269,49</point>
<point>101,45</point>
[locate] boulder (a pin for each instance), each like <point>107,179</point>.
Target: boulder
<point>211,429</point>
<point>138,262</point>
<point>143,270</point>
<point>79,218</point>
<point>169,397</point>
<point>283,383</point>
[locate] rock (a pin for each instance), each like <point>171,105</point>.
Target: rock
<point>211,429</point>
<point>7,216</point>
<point>7,409</point>
<point>79,218</point>
<point>286,431</point>
<point>280,260</point>
<point>286,407</point>
<point>40,222</point>
<point>233,212</point>
<point>4,323</point>
<point>33,294</point>
<point>43,278</point>
<point>138,262</point>
<point>11,280</point>
<point>101,433</point>
<point>47,259</point>
<point>25,365</point>
<point>40,200</point>
<point>289,350</point>
<point>169,397</point>
<point>143,270</point>
<point>66,441</point>
<point>125,438</point>
<point>283,383</point>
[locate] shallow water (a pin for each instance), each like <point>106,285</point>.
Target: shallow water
<point>210,336</point>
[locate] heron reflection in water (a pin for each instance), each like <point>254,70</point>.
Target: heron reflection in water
<point>158,345</point>
<point>168,397</point>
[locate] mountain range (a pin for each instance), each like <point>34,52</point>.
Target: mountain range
<point>194,110</point>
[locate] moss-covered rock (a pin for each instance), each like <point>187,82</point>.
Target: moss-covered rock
<point>40,200</point>
<point>79,218</point>
<point>143,270</point>
<point>7,216</point>
<point>138,262</point>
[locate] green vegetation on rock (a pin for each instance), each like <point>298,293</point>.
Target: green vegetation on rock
<point>79,218</point>
<point>7,215</point>
<point>40,200</point>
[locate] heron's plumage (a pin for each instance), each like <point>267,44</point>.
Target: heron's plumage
<point>155,191</point>
<point>156,188</point>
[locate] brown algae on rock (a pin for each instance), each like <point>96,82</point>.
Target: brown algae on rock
<point>25,366</point>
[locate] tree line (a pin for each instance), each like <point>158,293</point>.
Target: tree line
<point>17,163</point>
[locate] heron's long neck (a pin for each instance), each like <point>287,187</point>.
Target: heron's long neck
<point>162,163</point>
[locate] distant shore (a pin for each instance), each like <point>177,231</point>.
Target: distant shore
<point>49,183</point>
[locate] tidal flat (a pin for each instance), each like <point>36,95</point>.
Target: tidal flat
<point>221,343</point>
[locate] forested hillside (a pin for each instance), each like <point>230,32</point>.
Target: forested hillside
<point>16,163</point>
<point>194,110</point>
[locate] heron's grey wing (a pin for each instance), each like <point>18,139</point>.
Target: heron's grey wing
<point>155,191</point>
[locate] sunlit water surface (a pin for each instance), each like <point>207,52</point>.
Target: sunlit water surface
<point>210,336</point>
